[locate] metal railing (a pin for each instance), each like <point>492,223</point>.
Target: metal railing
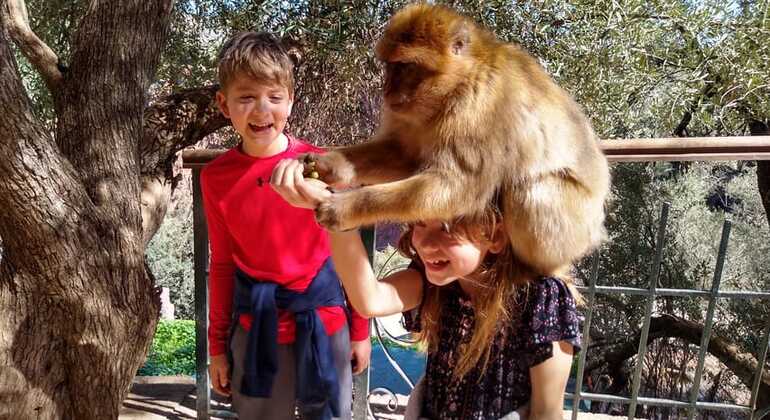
<point>637,150</point>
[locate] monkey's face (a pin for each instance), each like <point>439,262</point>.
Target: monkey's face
<point>426,52</point>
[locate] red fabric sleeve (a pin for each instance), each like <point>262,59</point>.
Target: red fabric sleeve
<point>359,326</point>
<point>221,271</point>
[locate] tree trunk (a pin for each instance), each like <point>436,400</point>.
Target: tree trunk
<point>77,307</point>
<point>760,128</point>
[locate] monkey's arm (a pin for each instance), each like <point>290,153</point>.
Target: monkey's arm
<point>373,162</point>
<point>428,195</point>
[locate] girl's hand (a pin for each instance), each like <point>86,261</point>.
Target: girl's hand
<point>287,180</point>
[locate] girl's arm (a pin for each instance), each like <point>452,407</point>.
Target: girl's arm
<point>396,293</point>
<point>549,379</point>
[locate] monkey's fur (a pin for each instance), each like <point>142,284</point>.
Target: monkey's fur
<point>466,117</point>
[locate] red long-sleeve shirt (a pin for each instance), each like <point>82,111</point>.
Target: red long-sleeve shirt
<point>251,227</point>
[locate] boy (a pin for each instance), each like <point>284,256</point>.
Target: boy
<point>266,254</point>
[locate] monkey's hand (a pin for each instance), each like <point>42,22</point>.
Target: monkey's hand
<point>332,213</point>
<point>332,168</point>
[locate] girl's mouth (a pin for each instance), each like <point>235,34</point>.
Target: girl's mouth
<point>436,265</point>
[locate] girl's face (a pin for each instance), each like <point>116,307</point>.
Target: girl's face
<point>449,257</point>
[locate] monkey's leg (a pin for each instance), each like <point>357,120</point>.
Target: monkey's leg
<point>428,195</point>
<point>553,222</point>
<point>373,162</point>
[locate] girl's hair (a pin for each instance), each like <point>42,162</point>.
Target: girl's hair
<point>500,276</point>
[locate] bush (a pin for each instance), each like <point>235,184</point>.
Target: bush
<point>172,351</point>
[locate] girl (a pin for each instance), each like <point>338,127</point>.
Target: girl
<point>500,340</point>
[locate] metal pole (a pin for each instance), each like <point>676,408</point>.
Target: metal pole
<point>654,270</point>
<point>590,302</point>
<point>200,262</point>
<point>704,341</point>
<point>361,381</point>
<point>761,357</point>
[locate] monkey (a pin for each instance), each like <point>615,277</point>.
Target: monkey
<point>467,118</point>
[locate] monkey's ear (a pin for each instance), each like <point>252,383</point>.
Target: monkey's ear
<point>461,39</point>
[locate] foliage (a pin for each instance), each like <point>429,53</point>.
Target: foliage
<point>172,351</point>
<point>170,256</point>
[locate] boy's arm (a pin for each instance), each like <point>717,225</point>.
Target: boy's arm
<point>359,325</point>
<point>221,270</point>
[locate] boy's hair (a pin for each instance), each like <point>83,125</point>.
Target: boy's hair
<point>500,276</point>
<point>258,55</point>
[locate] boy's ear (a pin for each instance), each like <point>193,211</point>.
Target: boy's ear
<point>222,103</point>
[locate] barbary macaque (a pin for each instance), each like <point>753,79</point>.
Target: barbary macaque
<point>466,119</point>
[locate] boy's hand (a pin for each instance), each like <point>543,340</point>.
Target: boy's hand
<point>219,371</point>
<point>360,355</point>
<point>288,181</point>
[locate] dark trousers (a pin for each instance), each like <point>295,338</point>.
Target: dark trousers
<point>282,403</point>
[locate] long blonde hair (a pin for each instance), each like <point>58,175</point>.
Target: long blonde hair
<point>500,276</point>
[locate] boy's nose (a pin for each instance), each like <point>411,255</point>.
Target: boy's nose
<point>263,106</point>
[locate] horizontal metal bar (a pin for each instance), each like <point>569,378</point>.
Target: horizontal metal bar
<point>623,150</point>
<point>727,294</point>
<point>661,402</point>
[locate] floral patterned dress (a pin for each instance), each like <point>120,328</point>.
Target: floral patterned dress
<point>545,312</point>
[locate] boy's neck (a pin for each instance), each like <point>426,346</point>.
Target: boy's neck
<point>279,145</point>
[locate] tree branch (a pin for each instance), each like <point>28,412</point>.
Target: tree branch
<point>742,364</point>
<point>42,57</point>
<point>42,200</point>
<point>172,123</point>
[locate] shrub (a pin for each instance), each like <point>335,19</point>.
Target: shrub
<point>172,351</point>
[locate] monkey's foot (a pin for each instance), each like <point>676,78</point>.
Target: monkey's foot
<point>330,214</point>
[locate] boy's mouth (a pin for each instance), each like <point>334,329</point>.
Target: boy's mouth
<point>260,127</point>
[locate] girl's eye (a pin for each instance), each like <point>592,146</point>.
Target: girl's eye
<point>276,98</point>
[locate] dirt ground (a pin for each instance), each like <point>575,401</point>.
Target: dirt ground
<point>173,397</point>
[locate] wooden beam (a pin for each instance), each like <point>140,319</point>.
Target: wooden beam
<point>624,150</point>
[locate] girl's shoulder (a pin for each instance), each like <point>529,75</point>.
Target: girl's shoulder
<point>548,314</point>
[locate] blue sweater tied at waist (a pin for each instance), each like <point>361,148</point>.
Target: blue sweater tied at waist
<point>316,381</point>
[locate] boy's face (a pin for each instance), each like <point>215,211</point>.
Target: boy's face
<point>258,112</point>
